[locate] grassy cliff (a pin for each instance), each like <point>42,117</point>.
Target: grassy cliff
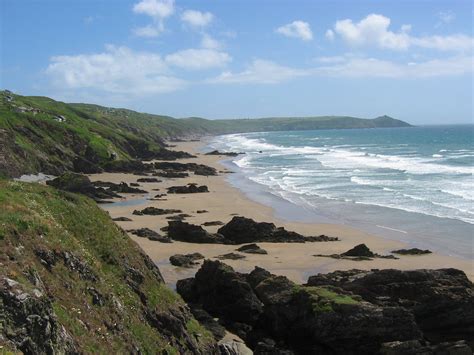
<point>38,134</point>
<point>72,281</point>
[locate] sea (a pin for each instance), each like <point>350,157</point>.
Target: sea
<point>413,184</point>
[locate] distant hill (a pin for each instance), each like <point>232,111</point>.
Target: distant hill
<point>39,134</point>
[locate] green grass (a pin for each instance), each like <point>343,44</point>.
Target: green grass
<point>324,299</point>
<point>39,217</point>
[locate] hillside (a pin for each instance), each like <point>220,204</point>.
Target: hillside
<point>71,281</point>
<point>38,134</point>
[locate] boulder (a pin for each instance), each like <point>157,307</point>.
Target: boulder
<point>191,233</point>
<point>187,260</point>
<point>231,256</point>
<point>154,211</point>
<point>122,219</point>
<point>228,154</point>
<point>187,189</point>
<point>150,234</point>
<point>212,223</point>
<point>359,250</point>
<point>148,180</point>
<point>412,251</point>
<point>252,249</point>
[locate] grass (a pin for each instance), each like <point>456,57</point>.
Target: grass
<point>36,217</point>
<point>324,299</point>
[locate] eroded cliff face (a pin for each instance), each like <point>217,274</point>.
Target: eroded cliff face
<point>72,281</point>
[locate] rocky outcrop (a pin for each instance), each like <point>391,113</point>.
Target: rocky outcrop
<point>412,251</point>
<point>198,169</point>
<point>230,256</point>
<point>190,233</point>
<point>148,180</point>
<point>78,183</point>
<point>227,154</point>
<point>274,315</point>
<point>442,301</point>
<point>122,219</point>
<point>122,187</point>
<point>185,260</point>
<point>154,211</point>
<point>359,253</point>
<point>252,249</point>
<point>212,223</point>
<point>245,230</point>
<point>187,189</point>
<point>150,234</point>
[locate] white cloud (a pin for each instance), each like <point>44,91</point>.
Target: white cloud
<point>446,16</point>
<point>209,42</point>
<point>147,31</point>
<point>197,18</point>
<point>196,59</point>
<point>353,67</point>
<point>373,30</point>
<point>158,10</point>
<point>329,35</point>
<point>260,72</point>
<point>296,29</point>
<point>118,70</point>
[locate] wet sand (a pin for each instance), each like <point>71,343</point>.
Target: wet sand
<point>294,260</point>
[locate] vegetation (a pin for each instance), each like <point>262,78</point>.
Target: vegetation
<point>102,288</point>
<point>38,134</point>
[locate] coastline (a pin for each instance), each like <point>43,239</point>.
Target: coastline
<point>294,260</point>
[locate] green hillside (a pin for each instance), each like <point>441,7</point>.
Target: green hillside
<point>71,281</point>
<point>38,134</point>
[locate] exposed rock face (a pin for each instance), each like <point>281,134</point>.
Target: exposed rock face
<point>186,232</point>
<point>245,230</point>
<point>78,183</point>
<point>271,313</point>
<point>252,249</point>
<point>198,169</point>
<point>442,301</point>
<point>150,234</point>
<point>30,319</point>
<point>412,251</point>
<point>187,189</point>
<point>187,260</point>
<point>154,211</point>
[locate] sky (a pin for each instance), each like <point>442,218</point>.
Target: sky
<point>412,60</point>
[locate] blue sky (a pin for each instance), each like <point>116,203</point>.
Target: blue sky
<point>412,60</point>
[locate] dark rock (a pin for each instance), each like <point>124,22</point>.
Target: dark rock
<point>188,260</point>
<point>122,219</point>
<point>148,180</point>
<point>150,234</point>
<point>188,189</point>
<point>202,211</point>
<point>212,223</point>
<point>415,347</point>
<point>217,330</point>
<point>47,257</point>
<point>252,249</point>
<point>230,256</point>
<point>222,292</point>
<point>229,154</point>
<point>442,301</point>
<point>245,230</point>
<point>134,184</point>
<point>186,232</point>
<point>359,250</point>
<point>198,169</point>
<point>76,264</point>
<point>412,251</point>
<point>120,188</point>
<point>97,298</point>
<point>153,211</point>
<point>78,183</point>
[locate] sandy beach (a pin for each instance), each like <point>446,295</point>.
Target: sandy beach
<point>294,260</point>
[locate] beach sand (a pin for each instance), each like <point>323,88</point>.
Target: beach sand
<point>294,260</point>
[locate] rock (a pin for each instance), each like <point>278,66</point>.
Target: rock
<point>188,189</point>
<point>186,232</point>
<point>120,188</point>
<point>150,234</point>
<point>153,211</point>
<point>188,260</point>
<point>359,250</point>
<point>217,330</point>
<point>414,347</point>
<point>228,154</point>
<point>261,307</point>
<point>134,184</point>
<point>222,292</point>
<point>97,298</point>
<point>252,249</point>
<point>231,256</point>
<point>234,347</point>
<point>122,219</point>
<point>412,251</point>
<point>198,169</point>
<point>442,301</point>
<point>212,223</point>
<point>245,230</point>
<point>78,183</point>
<point>202,211</point>
<point>148,180</point>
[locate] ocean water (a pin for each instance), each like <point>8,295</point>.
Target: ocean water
<point>411,184</point>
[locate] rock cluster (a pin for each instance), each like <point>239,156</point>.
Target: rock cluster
<point>187,189</point>
<point>197,169</point>
<point>359,253</point>
<point>154,211</point>
<point>150,234</point>
<point>228,154</point>
<point>354,312</point>
<point>185,260</point>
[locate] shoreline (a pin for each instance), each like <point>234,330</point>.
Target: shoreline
<point>294,260</point>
